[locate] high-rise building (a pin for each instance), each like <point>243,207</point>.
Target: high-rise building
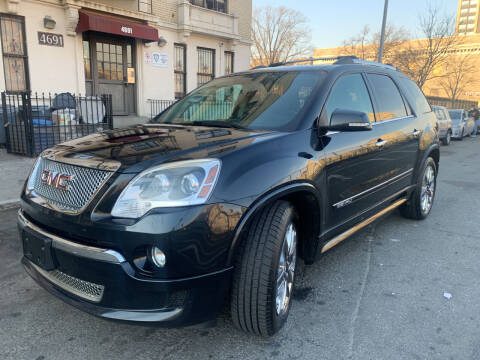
<point>468,17</point>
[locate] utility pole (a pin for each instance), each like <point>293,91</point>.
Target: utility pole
<point>382,36</point>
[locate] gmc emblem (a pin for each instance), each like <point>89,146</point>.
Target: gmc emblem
<point>60,181</point>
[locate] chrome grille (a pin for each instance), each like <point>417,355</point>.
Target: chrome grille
<point>81,288</point>
<point>84,185</point>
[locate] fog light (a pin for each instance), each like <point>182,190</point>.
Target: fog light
<point>158,257</point>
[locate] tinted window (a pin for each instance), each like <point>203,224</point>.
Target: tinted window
<point>255,100</point>
<point>350,93</point>
<point>415,96</point>
<point>389,101</point>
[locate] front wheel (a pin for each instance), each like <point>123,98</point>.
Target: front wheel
<point>421,201</point>
<point>447,139</point>
<point>265,271</point>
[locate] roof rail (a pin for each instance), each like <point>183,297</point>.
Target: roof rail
<point>338,58</point>
<point>355,60</point>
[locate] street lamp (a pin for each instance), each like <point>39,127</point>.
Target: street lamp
<point>382,36</point>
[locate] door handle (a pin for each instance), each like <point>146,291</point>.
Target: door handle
<point>416,133</point>
<point>381,143</point>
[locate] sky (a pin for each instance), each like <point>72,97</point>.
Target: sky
<point>333,21</point>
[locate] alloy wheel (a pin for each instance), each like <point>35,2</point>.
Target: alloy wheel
<point>428,189</point>
<point>286,270</point>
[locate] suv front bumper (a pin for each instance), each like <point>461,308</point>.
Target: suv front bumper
<point>101,282</point>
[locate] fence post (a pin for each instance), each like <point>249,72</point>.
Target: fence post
<point>107,100</point>
<point>6,123</point>
<point>28,123</point>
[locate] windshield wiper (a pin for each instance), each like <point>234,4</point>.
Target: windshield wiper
<point>214,123</point>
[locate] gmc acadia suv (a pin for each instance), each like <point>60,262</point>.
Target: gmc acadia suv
<point>219,196</point>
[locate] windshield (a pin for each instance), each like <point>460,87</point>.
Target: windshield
<point>257,100</point>
<point>455,114</point>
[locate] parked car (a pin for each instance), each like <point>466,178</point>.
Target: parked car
<point>444,124</point>
<point>162,222</point>
<point>462,124</point>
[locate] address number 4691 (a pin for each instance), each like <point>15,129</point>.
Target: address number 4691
<point>50,39</point>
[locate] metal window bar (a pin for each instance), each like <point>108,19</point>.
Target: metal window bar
<point>180,71</point>
<point>206,65</point>
<point>37,121</point>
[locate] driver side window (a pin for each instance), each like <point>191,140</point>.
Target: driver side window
<point>350,93</point>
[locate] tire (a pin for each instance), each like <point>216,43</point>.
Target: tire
<point>254,306</point>
<point>461,135</point>
<point>447,139</point>
<point>415,208</point>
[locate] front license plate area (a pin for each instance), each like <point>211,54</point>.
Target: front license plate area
<point>38,249</point>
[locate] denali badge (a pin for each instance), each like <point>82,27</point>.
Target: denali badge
<point>56,179</point>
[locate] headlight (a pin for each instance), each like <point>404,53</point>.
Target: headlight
<point>181,183</point>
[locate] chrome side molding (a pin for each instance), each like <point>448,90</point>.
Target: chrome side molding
<point>339,238</point>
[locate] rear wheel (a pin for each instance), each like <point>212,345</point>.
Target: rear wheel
<point>447,139</point>
<point>421,200</point>
<point>265,271</point>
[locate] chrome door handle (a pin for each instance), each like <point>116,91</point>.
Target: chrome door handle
<point>381,143</point>
<point>416,133</point>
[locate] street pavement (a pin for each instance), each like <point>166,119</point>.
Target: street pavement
<point>400,289</point>
<point>14,169</point>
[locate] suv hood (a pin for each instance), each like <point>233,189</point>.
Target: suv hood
<point>137,148</point>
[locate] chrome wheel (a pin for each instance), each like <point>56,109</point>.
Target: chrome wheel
<point>286,270</point>
<point>428,189</point>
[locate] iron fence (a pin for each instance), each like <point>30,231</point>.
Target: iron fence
<point>34,122</point>
<point>457,104</point>
<point>203,111</point>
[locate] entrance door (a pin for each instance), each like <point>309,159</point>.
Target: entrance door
<point>112,58</point>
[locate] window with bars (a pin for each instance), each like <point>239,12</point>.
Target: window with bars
<point>228,63</point>
<point>217,5</point>
<point>180,71</point>
<point>15,59</point>
<point>206,65</point>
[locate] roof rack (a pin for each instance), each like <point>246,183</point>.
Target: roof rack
<point>339,60</point>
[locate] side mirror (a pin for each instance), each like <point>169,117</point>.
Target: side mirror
<point>349,120</point>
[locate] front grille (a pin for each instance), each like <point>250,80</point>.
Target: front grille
<point>81,288</point>
<point>85,183</point>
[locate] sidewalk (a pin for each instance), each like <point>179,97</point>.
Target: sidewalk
<point>14,169</point>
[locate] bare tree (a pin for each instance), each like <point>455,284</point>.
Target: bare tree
<point>421,57</point>
<point>460,70</point>
<point>365,45</point>
<point>279,34</point>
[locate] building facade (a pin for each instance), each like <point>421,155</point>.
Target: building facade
<point>468,17</point>
<point>136,50</point>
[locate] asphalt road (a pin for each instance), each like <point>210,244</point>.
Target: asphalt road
<point>379,295</point>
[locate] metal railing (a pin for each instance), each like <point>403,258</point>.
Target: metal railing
<point>34,122</point>
<point>157,106</point>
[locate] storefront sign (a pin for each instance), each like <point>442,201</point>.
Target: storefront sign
<point>160,59</point>
<point>50,39</point>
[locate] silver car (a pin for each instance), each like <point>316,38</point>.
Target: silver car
<point>444,124</point>
<point>462,124</point>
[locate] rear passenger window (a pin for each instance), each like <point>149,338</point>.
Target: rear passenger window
<point>415,96</point>
<point>350,93</point>
<point>390,104</point>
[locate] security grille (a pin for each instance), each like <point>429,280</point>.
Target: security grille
<point>81,288</point>
<point>85,183</point>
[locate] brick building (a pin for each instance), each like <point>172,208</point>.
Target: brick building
<point>135,50</point>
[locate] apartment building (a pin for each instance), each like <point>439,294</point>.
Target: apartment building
<point>468,17</point>
<point>135,50</point>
